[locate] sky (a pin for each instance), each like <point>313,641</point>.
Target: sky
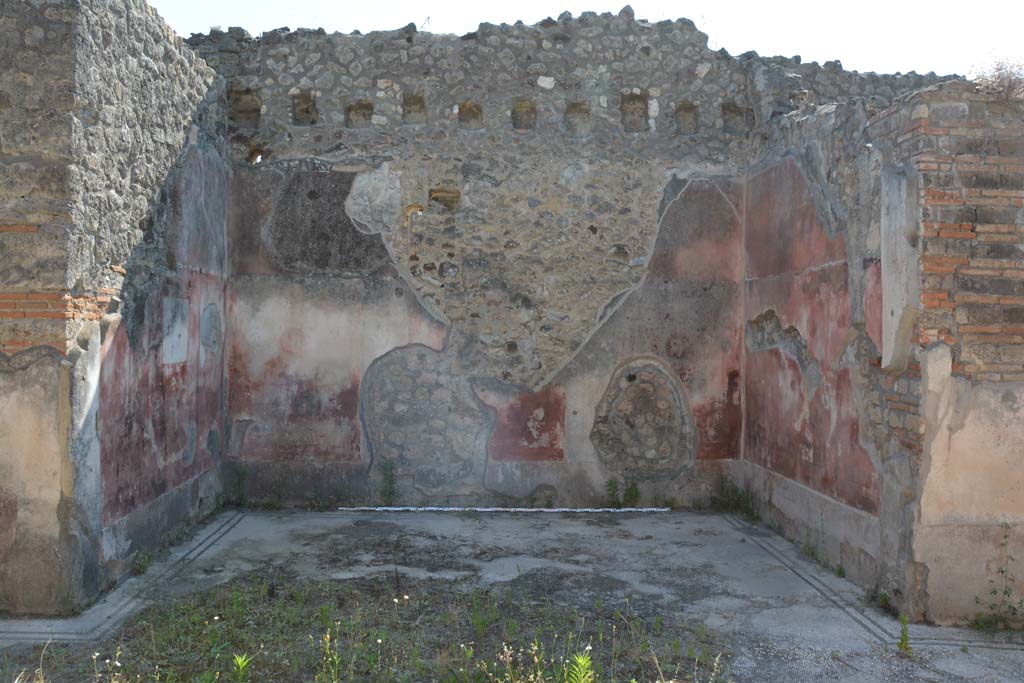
<point>867,35</point>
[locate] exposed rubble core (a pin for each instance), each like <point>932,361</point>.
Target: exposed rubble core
<point>500,268</point>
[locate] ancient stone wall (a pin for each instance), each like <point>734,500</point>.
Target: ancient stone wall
<point>151,218</point>
<point>111,408</point>
<point>521,190</point>
<point>505,268</point>
<point>815,442</point>
<point>36,103</point>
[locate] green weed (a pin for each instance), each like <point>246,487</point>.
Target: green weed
<point>904,643</point>
<point>729,498</point>
<point>269,627</point>
<point>631,496</point>
<point>388,483</point>
<point>1003,609</point>
<point>612,488</point>
<point>141,562</point>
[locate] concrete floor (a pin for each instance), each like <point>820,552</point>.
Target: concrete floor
<point>782,617</point>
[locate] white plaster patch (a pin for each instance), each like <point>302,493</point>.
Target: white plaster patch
<point>174,348</point>
<point>546,82</point>
<point>901,282</point>
<point>375,201</point>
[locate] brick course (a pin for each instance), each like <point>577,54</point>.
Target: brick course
<point>971,164</point>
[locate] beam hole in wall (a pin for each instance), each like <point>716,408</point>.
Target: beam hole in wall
<point>634,113</point>
<point>686,118</point>
<point>414,108</point>
<point>471,115</point>
<point>524,115</point>
<point>257,155</point>
<point>359,114</point>
<point>737,120</point>
<point>577,118</point>
<point>445,196</point>
<point>304,111</point>
<point>244,106</point>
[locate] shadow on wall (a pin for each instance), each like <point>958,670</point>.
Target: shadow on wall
<point>160,421</point>
<point>134,409</point>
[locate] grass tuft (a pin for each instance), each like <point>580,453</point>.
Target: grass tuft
<point>269,626</point>
<point>729,498</point>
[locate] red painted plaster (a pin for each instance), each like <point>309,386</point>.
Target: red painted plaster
<point>783,233</point>
<point>295,417</point>
<point>806,432</point>
<point>530,427</point>
<point>154,418</point>
<point>719,422</point>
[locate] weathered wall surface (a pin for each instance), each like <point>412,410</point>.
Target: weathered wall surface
<point>801,412</point>
<point>967,150</point>
<point>312,302</point>
<point>502,268</point>
<point>527,188</point>
<point>37,562</point>
<point>655,393</point>
<point>912,303</point>
<point>307,320</point>
<point>819,443</point>
<point>161,414</point>
<point>36,100</point>
<point>110,257</point>
<point>150,217</point>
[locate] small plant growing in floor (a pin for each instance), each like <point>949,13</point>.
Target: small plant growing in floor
<point>141,563</point>
<point>881,599</point>
<point>714,676</point>
<point>631,496</point>
<point>388,483</point>
<point>508,639</point>
<point>1004,610</point>
<point>241,665</point>
<point>612,487</point>
<point>904,643</point>
<point>37,676</point>
<point>580,669</point>
<point>330,664</point>
<point>840,572</point>
<point>729,498</point>
<point>482,614</point>
<point>809,549</point>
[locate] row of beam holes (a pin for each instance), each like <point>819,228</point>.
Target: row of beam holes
<point>245,113</point>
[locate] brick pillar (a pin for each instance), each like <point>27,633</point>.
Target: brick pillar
<point>41,567</point>
<point>966,152</point>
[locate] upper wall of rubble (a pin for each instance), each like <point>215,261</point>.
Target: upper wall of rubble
<point>593,81</point>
